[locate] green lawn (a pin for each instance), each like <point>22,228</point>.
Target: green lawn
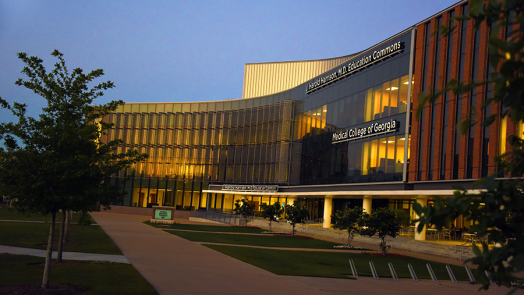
<point>86,238</point>
<point>333,264</point>
<point>209,228</point>
<point>7,213</point>
<point>98,278</point>
<point>255,240</point>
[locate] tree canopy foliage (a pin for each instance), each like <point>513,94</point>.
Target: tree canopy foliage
<point>243,208</point>
<point>57,161</point>
<point>295,214</point>
<point>350,220</point>
<point>382,222</point>
<point>271,212</point>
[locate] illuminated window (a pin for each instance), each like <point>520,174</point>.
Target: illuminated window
<point>386,90</point>
<point>401,141</point>
<point>377,95</point>
<point>503,135</point>
<point>369,106</point>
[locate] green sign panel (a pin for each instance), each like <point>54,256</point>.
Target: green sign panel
<point>163,214</point>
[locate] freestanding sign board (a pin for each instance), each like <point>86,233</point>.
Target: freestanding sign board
<point>162,214</point>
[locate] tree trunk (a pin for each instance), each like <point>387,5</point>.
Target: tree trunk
<point>61,239</point>
<point>270,225</point>
<point>293,230</point>
<point>49,253</point>
<point>68,221</point>
<point>349,235</point>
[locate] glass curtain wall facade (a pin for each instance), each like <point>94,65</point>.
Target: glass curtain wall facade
<point>192,144</point>
<point>367,160</point>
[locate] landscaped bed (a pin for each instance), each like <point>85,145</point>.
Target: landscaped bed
<point>255,240</point>
<point>333,264</point>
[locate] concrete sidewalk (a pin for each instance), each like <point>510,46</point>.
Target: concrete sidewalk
<point>176,266</point>
<point>65,255</point>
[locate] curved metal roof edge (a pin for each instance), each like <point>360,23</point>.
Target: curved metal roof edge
<point>305,60</point>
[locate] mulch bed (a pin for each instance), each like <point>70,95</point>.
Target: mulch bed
<point>36,289</point>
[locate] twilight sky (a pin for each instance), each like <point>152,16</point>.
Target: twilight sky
<point>156,51</point>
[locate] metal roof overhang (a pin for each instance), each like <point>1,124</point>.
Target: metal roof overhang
<point>346,193</point>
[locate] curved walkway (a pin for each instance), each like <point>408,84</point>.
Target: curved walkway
<point>177,266</point>
<point>65,255</point>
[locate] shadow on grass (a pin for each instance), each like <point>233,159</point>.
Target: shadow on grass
<point>9,213</point>
<point>94,276</point>
<point>86,239</point>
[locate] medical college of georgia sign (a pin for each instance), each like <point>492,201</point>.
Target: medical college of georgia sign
<point>363,132</point>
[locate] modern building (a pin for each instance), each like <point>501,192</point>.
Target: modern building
<point>328,133</point>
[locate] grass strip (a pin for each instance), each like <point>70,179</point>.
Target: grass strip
<point>255,240</point>
<point>209,228</point>
<point>82,238</point>
<point>333,264</point>
<point>97,277</point>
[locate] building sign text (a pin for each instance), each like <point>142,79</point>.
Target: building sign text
<point>355,66</point>
<point>358,133</point>
<point>251,188</point>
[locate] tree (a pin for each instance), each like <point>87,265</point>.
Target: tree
<point>350,220</point>
<point>493,211</point>
<point>382,222</point>
<point>295,214</point>
<point>272,212</point>
<point>244,209</point>
<point>57,162</point>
